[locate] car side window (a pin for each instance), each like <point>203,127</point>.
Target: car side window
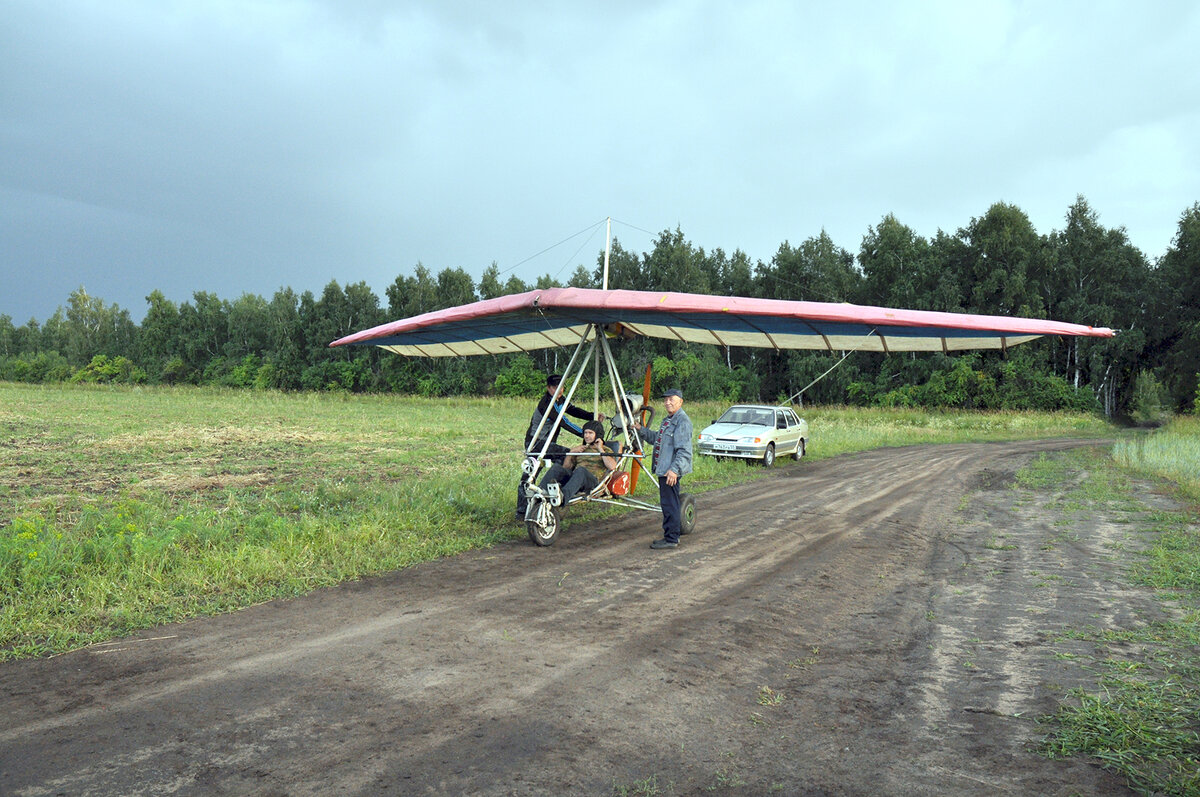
<point>780,421</point>
<point>791,419</point>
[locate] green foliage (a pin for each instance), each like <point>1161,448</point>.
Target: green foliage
<point>1021,386</point>
<point>93,327</point>
<point>174,371</point>
<point>1149,399</point>
<point>817,270</point>
<point>245,373</point>
<point>996,264</point>
<point>265,377</point>
<point>103,370</point>
<point>967,382</point>
<point>43,367</point>
<point>339,375</point>
<point>520,378</point>
<point>1175,320</point>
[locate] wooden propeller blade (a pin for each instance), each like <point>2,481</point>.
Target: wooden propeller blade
<point>637,464</point>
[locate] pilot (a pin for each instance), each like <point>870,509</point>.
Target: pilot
<point>672,461</point>
<point>551,399</point>
<point>581,474</point>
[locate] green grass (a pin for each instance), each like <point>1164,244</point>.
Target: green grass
<point>1143,729</point>
<point>1172,452</point>
<point>641,788</point>
<point>123,508</point>
<point>1142,720</point>
<point>843,430</point>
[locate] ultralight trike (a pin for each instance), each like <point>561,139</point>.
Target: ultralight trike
<point>545,511</point>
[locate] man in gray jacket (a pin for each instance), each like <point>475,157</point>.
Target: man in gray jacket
<point>672,461</point>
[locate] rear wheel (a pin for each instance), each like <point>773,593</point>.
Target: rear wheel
<point>543,535</point>
<point>687,513</point>
<point>800,449</point>
<point>769,458</point>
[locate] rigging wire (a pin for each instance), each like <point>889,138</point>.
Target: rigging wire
<point>634,226</point>
<point>586,241</point>
<point>590,227</point>
<point>801,288</point>
<point>866,337</point>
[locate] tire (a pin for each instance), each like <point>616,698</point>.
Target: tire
<point>543,536</point>
<point>800,450</point>
<point>687,513</point>
<point>769,458</point>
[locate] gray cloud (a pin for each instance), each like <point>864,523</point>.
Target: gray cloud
<point>241,147</point>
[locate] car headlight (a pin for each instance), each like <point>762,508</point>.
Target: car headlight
<point>705,438</point>
<point>748,440</point>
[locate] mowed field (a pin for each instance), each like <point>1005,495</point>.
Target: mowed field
<point>123,508</point>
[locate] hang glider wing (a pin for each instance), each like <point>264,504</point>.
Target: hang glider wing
<point>541,319</point>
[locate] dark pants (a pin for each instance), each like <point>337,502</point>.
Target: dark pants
<point>668,498</point>
<point>555,455</point>
<point>573,481</point>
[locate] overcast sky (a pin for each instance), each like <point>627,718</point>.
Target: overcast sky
<point>239,147</point>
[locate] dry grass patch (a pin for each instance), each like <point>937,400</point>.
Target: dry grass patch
<point>179,483</point>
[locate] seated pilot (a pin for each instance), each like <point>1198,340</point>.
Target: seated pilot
<point>581,474</point>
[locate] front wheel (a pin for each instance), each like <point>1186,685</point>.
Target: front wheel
<point>545,534</point>
<point>769,458</point>
<point>687,513</point>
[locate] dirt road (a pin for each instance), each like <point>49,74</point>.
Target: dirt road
<point>874,624</point>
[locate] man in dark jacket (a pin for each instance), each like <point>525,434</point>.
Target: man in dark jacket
<point>548,408</point>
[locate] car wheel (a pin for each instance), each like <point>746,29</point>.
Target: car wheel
<point>687,513</point>
<point>547,534</point>
<point>769,458</point>
<point>800,449</point>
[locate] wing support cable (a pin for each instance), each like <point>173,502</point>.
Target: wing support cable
<point>835,365</point>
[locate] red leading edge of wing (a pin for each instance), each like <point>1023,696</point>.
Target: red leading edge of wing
<point>673,304</point>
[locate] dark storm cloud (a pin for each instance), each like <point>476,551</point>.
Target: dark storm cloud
<point>241,147</point>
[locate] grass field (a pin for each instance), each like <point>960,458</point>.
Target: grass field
<point>1171,453</point>
<point>1142,720</point>
<point>122,508</point>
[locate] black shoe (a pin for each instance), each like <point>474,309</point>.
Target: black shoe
<point>664,543</point>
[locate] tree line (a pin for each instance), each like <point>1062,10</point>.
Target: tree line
<point>998,264</point>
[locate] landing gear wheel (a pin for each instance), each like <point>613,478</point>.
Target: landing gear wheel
<point>687,513</point>
<point>547,534</point>
<point>800,449</point>
<point>769,458</point>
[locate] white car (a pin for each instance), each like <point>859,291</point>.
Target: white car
<point>755,432</point>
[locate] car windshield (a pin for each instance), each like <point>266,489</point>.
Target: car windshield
<point>747,415</point>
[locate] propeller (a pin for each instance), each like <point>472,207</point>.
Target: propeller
<point>637,463</point>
